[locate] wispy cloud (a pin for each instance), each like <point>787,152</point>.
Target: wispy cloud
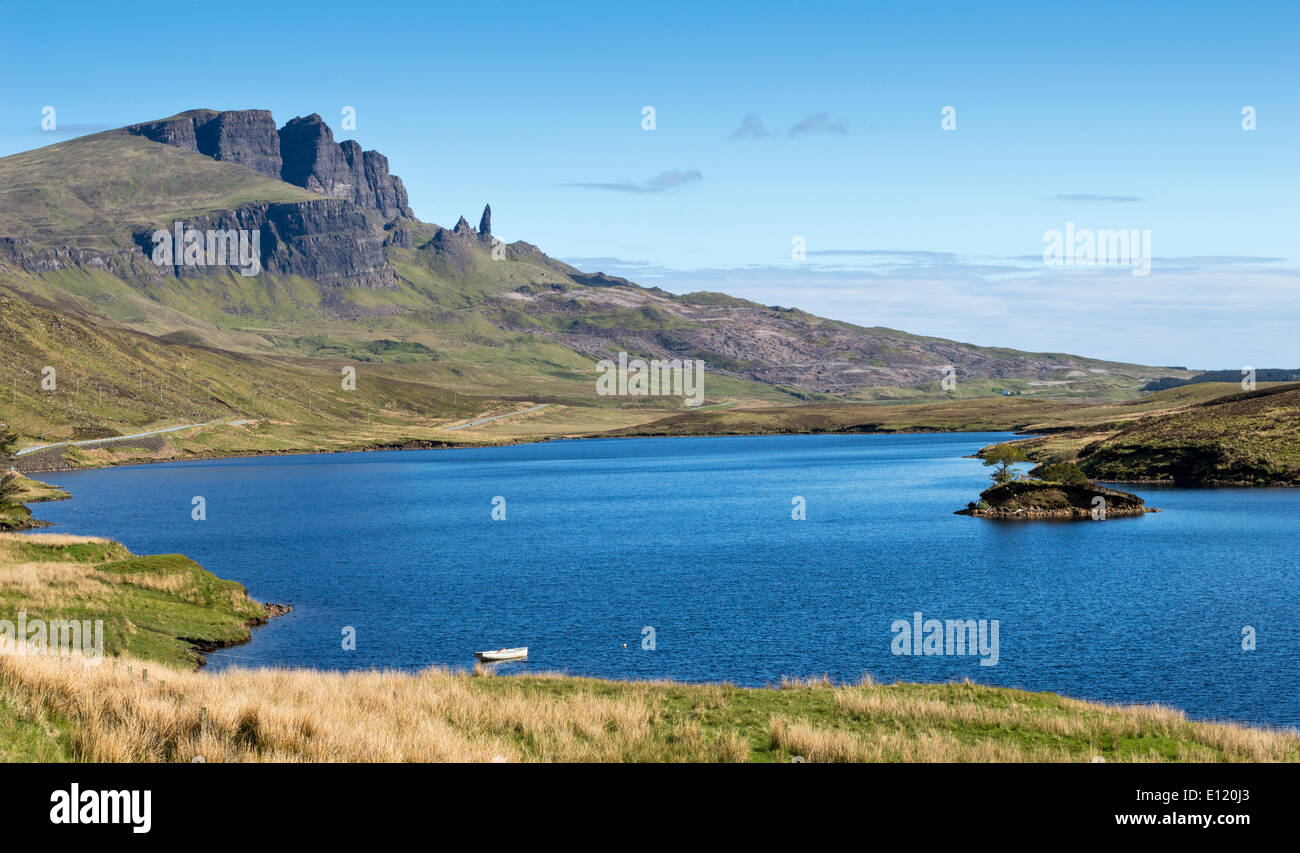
<point>661,182</point>
<point>1186,263</point>
<point>1089,198</point>
<point>916,254</point>
<point>819,123</point>
<point>673,178</point>
<point>751,127</point>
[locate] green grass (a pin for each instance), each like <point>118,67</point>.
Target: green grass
<point>35,491</point>
<point>968,715</point>
<point>962,415</point>
<point>77,192</point>
<point>1212,434</point>
<point>15,516</point>
<point>151,606</point>
<point>41,740</point>
<point>100,580</point>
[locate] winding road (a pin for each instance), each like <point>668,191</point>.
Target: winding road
<point>536,408</point>
<point>114,438</point>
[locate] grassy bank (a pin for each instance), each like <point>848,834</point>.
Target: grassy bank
<point>154,607</point>
<point>1220,436</point>
<point>109,713</point>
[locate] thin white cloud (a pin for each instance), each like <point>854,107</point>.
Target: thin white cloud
<point>819,123</point>
<point>1089,198</point>
<point>661,182</point>
<point>751,127</point>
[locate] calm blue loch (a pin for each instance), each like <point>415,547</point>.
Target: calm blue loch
<point>693,539</point>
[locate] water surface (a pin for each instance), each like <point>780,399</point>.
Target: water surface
<point>693,537</point>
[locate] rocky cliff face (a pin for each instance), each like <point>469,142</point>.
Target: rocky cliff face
<point>246,137</point>
<point>303,153</point>
<point>454,248</point>
<point>24,255</point>
<point>313,160</point>
<point>329,241</point>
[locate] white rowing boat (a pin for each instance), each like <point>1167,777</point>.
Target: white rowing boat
<point>499,655</point>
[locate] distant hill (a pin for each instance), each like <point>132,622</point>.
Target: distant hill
<point>349,272</point>
<point>1264,374</point>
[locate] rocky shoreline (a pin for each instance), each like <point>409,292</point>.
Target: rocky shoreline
<point>202,647</point>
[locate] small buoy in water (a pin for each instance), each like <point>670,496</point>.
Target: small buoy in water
<point>625,645</point>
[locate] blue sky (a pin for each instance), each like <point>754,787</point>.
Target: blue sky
<point>1108,115</point>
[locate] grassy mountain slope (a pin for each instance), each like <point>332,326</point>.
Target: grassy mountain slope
<point>1064,420</point>
<point>1250,438</point>
<point>84,191</point>
<point>112,381</point>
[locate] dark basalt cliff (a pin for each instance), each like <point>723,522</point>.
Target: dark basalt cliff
<point>302,153</point>
<point>314,161</point>
<point>22,253</point>
<point>329,241</point>
<point>456,247</point>
<point>246,137</point>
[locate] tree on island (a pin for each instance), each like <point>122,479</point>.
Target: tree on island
<point>1001,457</point>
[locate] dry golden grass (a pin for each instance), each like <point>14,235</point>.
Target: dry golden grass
<point>115,713</point>
<point>177,583</point>
<point>119,715</point>
<point>58,540</point>
<point>791,682</point>
<point>46,585</point>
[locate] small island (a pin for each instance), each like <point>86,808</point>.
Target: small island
<point>1059,491</point>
